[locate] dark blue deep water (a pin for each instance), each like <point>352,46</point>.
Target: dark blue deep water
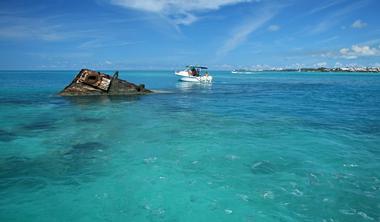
<point>260,147</point>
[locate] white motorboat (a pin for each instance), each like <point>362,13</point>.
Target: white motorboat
<point>194,74</point>
<point>242,71</point>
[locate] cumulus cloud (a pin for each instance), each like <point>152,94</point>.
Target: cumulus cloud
<point>358,51</point>
<point>181,12</point>
<point>353,52</point>
<point>358,24</point>
<point>273,28</point>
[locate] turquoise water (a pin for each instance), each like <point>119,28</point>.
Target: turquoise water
<point>262,147</point>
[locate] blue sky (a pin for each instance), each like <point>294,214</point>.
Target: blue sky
<point>168,34</point>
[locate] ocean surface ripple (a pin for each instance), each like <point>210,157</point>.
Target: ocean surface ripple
<point>260,147</point>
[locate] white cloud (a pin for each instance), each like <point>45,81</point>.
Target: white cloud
<point>175,5</point>
<point>328,40</point>
<point>240,34</point>
<point>371,42</point>
<point>358,24</point>
<point>320,64</point>
<point>181,12</point>
<point>20,26</point>
<point>104,43</point>
<point>353,52</point>
<point>337,16</point>
<point>325,5</point>
<point>338,64</point>
<point>273,28</point>
<point>34,31</point>
<point>358,51</point>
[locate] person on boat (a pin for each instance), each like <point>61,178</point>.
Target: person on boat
<point>193,71</point>
<point>206,73</point>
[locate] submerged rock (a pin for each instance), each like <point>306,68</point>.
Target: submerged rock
<point>89,82</point>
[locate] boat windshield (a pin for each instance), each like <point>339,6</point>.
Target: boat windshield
<point>197,67</point>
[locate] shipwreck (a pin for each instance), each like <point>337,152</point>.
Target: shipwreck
<point>89,83</point>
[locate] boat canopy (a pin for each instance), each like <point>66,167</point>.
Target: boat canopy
<point>197,67</point>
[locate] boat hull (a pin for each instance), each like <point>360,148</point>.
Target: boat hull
<point>196,79</point>
<point>242,72</point>
<point>182,73</point>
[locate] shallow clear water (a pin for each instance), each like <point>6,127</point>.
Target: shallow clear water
<point>262,147</point>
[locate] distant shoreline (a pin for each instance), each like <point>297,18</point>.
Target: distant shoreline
<point>332,70</point>
<point>322,69</point>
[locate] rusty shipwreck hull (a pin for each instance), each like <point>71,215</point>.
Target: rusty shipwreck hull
<point>91,83</point>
